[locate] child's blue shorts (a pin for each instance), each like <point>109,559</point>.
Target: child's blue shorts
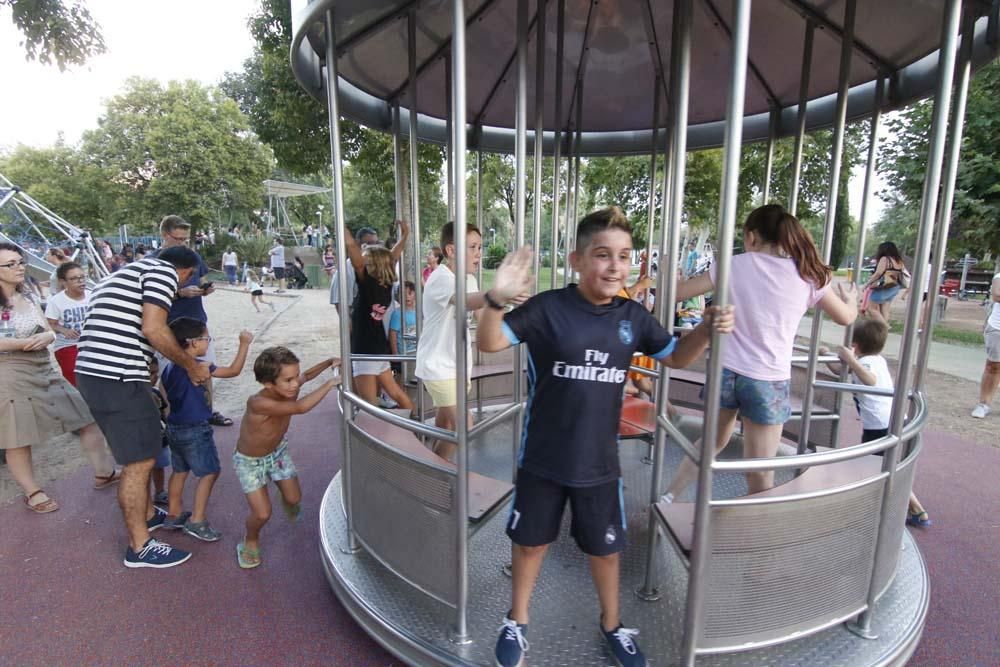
<point>192,449</point>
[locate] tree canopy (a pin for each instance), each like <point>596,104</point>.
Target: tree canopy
<point>975,224</point>
<point>55,31</point>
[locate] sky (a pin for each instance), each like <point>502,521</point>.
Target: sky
<point>176,40</point>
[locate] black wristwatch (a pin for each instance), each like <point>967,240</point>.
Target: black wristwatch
<point>491,302</point>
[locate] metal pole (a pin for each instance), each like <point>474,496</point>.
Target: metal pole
<point>576,171</point>
<point>772,137</point>
<point>859,255</point>
<point>680,78</point>
<point>800,134</point>
<point>397,172</point>
<point>411,46</point>
<point>479,270</point>
<point>651,205</point>
<point>727,223</point>
<point>520,145</point>
<point>961,93</point>
<point>928,210</point>
<point>449,131</point>
<point>457,157</point>
<point>836,159</point>
<point>569,215</point>
<point>536,217</point>
<point>557,144</point>
<point>336,157</point>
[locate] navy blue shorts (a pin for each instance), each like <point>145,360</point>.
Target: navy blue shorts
<point>598,524</point>
<point>192,449</point>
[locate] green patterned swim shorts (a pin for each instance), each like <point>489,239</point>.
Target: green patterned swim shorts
<point>254,471</point>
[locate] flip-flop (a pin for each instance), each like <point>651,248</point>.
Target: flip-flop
<point>219,420</point>
<point>104,481</point>
<point>293,512</point>
<point>247,558</point>
<point>43,507</point>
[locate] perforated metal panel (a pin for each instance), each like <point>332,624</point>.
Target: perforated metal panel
<point>403,515</point>
<point>896,520</point>
<point>789,567</point>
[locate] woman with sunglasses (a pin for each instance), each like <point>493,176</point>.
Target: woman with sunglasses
<point>36,402</point>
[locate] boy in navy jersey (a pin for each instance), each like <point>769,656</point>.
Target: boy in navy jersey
<point>580,341</point>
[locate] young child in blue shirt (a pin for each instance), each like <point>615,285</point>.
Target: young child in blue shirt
<point>580,342</point>
<point>189,434</point>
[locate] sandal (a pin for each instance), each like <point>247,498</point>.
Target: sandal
<point>247,558</point>
<point>43,507</point>
<point>918,519</point>
<point>103,482</point>
<point>293,512</point>
<point>219,420</point>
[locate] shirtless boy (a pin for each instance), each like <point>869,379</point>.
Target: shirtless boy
<point>262,450</point>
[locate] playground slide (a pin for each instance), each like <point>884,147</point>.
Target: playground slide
<point>38,268</point>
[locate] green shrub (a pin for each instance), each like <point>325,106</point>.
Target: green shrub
<point>494,256</point>
<point>253,250</point>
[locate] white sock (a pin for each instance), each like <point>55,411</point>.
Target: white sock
<point>667,498</point>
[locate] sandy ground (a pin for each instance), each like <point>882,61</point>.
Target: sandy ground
<point>306,323</point>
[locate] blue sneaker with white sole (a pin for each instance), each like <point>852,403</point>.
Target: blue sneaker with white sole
<point>624,647</point>
<point>155,554</point>
<point>511,645</point>
<point>159,517</point>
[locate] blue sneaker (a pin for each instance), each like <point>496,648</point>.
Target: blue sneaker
<point>511,645</point>
<point>155,554</point>
<point>159,517</point>
<point>623,647</point>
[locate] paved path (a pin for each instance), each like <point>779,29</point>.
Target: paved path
<point>963,361</point>
<point>65,597</point>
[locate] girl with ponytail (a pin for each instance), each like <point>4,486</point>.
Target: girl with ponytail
<point>771,285</point>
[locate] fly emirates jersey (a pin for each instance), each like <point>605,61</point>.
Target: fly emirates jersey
<point>578,357</point>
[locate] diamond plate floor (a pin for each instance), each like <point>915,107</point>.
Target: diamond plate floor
<point>564,607</point>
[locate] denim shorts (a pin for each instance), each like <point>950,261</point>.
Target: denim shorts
<point>254,471</point>
<point>192,449</point>
<point>884,295</point>
<point>760,401</point>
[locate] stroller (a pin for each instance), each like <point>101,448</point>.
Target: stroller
<point>294,276</point>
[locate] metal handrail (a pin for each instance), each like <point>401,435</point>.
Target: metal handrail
<point>394,419</point>
<point>854,388</point>
<point>679,438</point>
<point>485,425</point>
<point>835,455</point>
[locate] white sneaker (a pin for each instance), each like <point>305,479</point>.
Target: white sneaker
<point>980,411</point>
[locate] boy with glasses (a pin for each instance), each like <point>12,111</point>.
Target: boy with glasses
<point>189,431</point>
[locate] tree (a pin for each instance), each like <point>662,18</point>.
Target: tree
<point>975,224</point>
<point>56,31</point>
<point>184,148</point>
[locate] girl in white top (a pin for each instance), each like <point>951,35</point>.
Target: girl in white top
<point>230,264</point>
<point>256,291</point>
<point>771,285</point>
<point>66,311</point>
<point>991,373</point>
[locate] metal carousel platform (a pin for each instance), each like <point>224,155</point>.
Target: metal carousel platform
<point>414,626</point>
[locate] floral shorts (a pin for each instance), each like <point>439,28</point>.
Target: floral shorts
<point>255,471</point>
<point>760,401</point>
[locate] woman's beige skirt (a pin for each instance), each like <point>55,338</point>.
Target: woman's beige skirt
<point>36,402</point>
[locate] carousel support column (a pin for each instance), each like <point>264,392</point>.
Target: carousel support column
<point>460,633</point>
<point>398,182</point>
<point>859,255</point>
<point>557,146</point>
<point>800,133</point>
<point>961,93</point>
<point>520,148</point>
<point>569,214</point>
<point>727,222</point>
<point>928,210</point>
<point>651,203</point>
<point>680,78</point>
<point>537,208</point>
<point>772,137</point>
<point>836,160</point>
<point>478,356</point>
<point>576,174</point>
<point>411,29</point>
<point>336,157</point>
<point>450,132</point>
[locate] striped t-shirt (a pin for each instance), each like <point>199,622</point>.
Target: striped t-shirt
<point>111,344</point>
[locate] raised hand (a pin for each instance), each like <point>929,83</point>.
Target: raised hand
<point>848,294</point>
<point>721,319</point>
<point>246,337</point>
<point>513,277</point>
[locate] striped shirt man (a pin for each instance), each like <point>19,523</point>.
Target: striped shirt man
<point>112,344</point>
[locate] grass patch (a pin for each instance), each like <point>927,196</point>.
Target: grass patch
<point>944,334</point>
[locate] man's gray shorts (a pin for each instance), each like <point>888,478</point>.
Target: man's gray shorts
<point>126,414</point>
<point>992,337</point>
